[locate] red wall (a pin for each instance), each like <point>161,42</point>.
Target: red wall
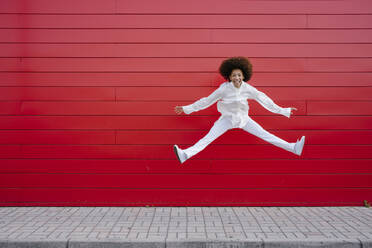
<point>88,87</point>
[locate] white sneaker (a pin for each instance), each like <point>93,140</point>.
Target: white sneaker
<point>181,155</point>
<point>299,146</point>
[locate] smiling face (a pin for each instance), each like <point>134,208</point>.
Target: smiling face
<point>236,77</point>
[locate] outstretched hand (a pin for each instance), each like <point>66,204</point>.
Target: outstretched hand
<point>293,108</point>
<point>178,109</point>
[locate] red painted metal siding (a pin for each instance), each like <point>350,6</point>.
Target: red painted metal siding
<point>88,87</point>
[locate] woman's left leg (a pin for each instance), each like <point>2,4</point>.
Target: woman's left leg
<point>255,129</point>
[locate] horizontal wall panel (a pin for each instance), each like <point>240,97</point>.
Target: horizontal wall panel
<point>185,50</point>
<point>13,137</point>
<point>270,151</point>
<point>234,136</point>
<point>134,108</point>
<point>10,151</point>
<point>336,65</point>
<point>182,181</point>
<point>163,21</point>
<point>167,108</point>
<point>242,7</point>
<point>140,79</point>
<point>180,122</point>
<point>181,65</point>
<point>213,152</point>
<point>275,93</point>
<point>180,137</point>
<point>238,136</point>
<point>133,166</point>
<point>113,166</point>
<point>232,35</point>
<point>58,93</point>
<point>339,21</point>
<point>184,197</point>
<point>190,7</point>
<point>108,35</point>
<point>339,108</point>
<point>186,21</point>
<point>55,6</point>
<point>178,95</point>
<point>289,166</point>
<point>10,108</point>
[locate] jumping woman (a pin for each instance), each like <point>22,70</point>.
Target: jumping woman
<point>233,105</point>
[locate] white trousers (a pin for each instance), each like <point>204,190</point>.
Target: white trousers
<point>223,124</point>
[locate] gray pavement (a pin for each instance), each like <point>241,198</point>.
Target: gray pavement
<point>185,227</point>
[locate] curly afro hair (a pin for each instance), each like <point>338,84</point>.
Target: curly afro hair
<point>230,64</point>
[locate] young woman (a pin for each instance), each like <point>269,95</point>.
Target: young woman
<point>233,105</point>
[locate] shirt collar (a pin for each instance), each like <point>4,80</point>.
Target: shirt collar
<point>238,89</point>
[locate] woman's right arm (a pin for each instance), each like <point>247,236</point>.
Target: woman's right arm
<point>204,102</point>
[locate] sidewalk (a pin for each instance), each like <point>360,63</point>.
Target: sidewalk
<point>185,227</point>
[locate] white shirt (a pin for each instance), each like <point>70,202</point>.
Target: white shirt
<point>232,102</point>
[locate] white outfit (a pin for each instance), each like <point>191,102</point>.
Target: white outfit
<point>233,106</point>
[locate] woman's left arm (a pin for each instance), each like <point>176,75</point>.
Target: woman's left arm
<point>269,104</point>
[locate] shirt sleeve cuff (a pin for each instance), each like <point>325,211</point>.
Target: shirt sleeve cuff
<point>187,109</point>
<point>287,112</point>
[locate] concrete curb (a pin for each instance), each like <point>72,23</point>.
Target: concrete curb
<point>328,243</point>
<point>215,243</point>
<point>125,243</point>
<point>33,244</point>
<point>115,243</point>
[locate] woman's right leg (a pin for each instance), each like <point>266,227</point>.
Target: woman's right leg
<point>219,127</point>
